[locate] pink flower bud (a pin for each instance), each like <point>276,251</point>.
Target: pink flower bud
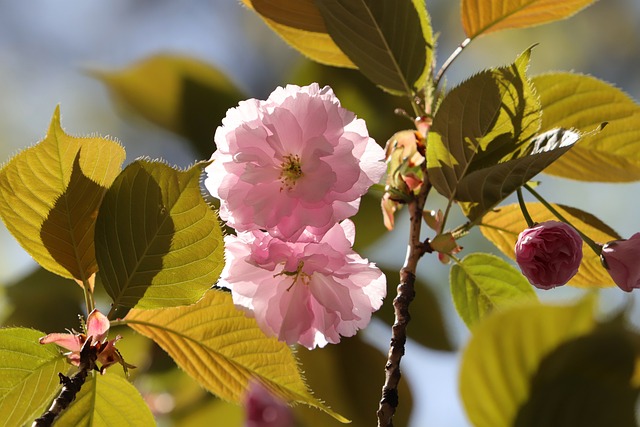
<point>549,254</point>
<point>263,409</point>
<point>621,260</point>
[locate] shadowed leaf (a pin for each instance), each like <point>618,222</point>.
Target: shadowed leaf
<point>178,93</point>
<point>483,283</point>
<point>586,381</point>
<point>107,400</point>
<point>486,16</point>
<point>503,226</point>
<point>505,351</point>
<point>390,42</point>
<point>488,120</point>
<point>222,349</point>
<point>158,243</point>
<point>28,375</point>
<point>357,365</point>
<point>583,102</point>
<point>50,194</point>
<point>426,315</point>
<point>300,14</point>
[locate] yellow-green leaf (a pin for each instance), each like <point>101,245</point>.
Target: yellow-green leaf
<point>583,102</point>
<point>50,194</point>
<point>503,226</point>
<point>28,375</point>
<point>482,283</point>
<point>222,349</point>
<point>157,241</point>
<point>181,94</point>
<point>317,46</point>
<point>504,353</point>
<point>107,401</point>
<point>481,17</point>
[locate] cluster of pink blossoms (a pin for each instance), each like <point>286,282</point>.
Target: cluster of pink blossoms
<point>289,171</point>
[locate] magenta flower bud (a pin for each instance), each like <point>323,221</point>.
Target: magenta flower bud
<point>621,258</point>
<point>549,254</point>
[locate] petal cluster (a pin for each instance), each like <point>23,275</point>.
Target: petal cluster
<point>621,258</point>
<point>297,162</point>
<point>97,328</point>
<point>310,292</point>
<point>549,254</point>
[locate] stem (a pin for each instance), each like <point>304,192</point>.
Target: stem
<point>406,293</point>
<point>593,245</point>
<point>450,60</point>
<point>523,208</point>
<point>70,386</point>
<point>88,298</point>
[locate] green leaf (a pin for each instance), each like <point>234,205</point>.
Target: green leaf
<point>222,349</point>
<point>50,194</point>
<point>583,102</point>
<point>386,40</point>
<point>483,283</point>
<point>487,120</point>
<point>107,400</point>
<point>158,243</point>
<point>350,374</point>
<point>505,351</point>
<point>427,320</point>
<point>503,226</point>
<point>28,375</point>
<point>587,381</point>
<point>317,46</point>
<point>481,17</point>
<point>178,93</point>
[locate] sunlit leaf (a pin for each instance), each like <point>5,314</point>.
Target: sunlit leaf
<point>178,93</point>
<point>486,16</point>
<point>317,46</point>
<point>158,243</point>
<point>483,283</point>
<point>349,374</point>
<point>503,226</point>
<point>487,120</point>
<point>28,375</point>
<point>505,351</point>
<point>50,194</point>
<point>222,349</point>
<point>586,381</point>
<point>427,320</point>
<point>386,40</point>
<point>583,102</point>
<point>107,400</point>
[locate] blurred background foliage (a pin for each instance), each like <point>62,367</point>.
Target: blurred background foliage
<point>159,76</point>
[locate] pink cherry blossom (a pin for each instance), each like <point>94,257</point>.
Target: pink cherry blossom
<point>306,292</point>
<point>297,161</point>
<point>621,260</point>
<point>263,409</point>
<point>97,328</point>
<point>549,254</point>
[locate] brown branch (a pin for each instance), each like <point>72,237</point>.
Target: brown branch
<point>70,386</point>
<point>406,293</point>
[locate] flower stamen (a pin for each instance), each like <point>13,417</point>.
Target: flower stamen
<point>304,277</point>
<point>291,171</point>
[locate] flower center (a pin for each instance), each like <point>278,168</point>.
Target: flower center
<point>291,171</point>
<point>297,274</point>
